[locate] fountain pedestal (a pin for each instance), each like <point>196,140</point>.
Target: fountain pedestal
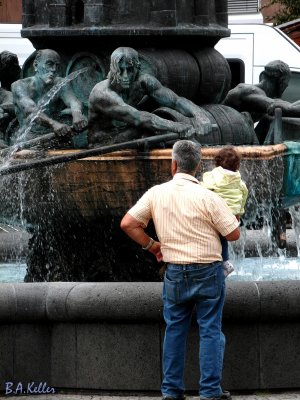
<point>102,335</point>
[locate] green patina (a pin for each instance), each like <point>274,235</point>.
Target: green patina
<point>291,178</point>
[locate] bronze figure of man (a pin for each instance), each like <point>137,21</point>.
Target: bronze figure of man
<point>114,104</point>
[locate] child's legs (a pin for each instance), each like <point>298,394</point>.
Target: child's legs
<point>225,252</point>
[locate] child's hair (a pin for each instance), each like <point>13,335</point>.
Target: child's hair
<point>228,158</point>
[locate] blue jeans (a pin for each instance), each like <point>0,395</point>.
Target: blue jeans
<point>186,286</point>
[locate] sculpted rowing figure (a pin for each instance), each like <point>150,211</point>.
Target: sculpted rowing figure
<point>113,104</point>
<point>263,97</point>
<point>261,100</point>
<point>41,98</point>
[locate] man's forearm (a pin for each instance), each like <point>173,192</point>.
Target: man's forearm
<point>139,236</point>
<point>135,230</point>
<point>44,120</point>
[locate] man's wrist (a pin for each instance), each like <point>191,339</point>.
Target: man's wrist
<point>149,245</point>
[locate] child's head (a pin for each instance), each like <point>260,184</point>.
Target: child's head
<point>228,158</point>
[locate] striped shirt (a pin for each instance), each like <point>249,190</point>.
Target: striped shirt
<point>188,219</point>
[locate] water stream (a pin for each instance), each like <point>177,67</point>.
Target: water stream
<point>12,272</point>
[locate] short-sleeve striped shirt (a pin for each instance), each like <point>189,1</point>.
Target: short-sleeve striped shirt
<point>188,219</point>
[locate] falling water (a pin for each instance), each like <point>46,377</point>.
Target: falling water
<point>295,215</point>
<point>12,272</point>
<point>15,189</point>
<point>256,255</point>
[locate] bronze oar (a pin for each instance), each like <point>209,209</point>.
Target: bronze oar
<point>88,153</point>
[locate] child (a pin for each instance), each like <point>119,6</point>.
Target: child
<point>225,180</point>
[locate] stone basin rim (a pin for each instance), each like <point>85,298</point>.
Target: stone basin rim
<point>247,152</point>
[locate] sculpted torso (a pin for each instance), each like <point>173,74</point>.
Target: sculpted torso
<point>106,105</point>
<point>27,94</point>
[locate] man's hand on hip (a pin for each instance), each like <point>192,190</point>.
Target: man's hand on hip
<point>155,250</point>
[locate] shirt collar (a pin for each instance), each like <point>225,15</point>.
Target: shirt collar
<point>188,177</point>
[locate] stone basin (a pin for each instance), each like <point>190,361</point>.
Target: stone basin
<point>109,184</point>
<point>75,208</point>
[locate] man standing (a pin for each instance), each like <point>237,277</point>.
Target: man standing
<point>115,104</point>
<point>188,220</point>
<point>37,99</point>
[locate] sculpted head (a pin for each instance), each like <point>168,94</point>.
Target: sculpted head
<point>187,156</point>
<point>46,65</point>
<point>124,67</point>
<point>278,73</point>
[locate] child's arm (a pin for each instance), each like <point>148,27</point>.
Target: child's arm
<point>244,197</point>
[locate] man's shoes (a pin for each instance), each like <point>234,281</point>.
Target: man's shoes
<point>224,396</point>
<point>210,398</point>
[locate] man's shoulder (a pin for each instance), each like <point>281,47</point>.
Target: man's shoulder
<point>103,85</point>
<point>102,91</point>
<point>245,89</point>
<point>23,81</point>
<point>22,84</point>
<point>160,188</point>
<point>146,80</point>
<point>192,186</point>
<point>144,76</point>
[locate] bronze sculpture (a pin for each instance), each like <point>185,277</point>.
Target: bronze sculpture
<point>116,108</point>
<point>39,100</point>
<point>114,114</point>
<point>261,100</point>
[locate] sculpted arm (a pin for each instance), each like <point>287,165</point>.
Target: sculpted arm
<point>166,97</point>
<point>293,110</point>
<point>107,102</point>
<point>253,99</point>
<point>71,101</point>
<point>266,104</point>
<point>26,106</point>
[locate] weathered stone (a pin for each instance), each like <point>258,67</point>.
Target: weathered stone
<point>92,338</point>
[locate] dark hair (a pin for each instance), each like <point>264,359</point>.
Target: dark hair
<point>277,68</point>
<point>187,155</point>
<point>228,158</point>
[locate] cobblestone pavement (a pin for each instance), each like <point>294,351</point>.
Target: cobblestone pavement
<point>287,395</point>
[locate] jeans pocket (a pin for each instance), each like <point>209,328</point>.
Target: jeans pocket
<point>206,288</point>
<point>172,290</point>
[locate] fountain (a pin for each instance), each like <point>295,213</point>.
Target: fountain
<point>94,302</point>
